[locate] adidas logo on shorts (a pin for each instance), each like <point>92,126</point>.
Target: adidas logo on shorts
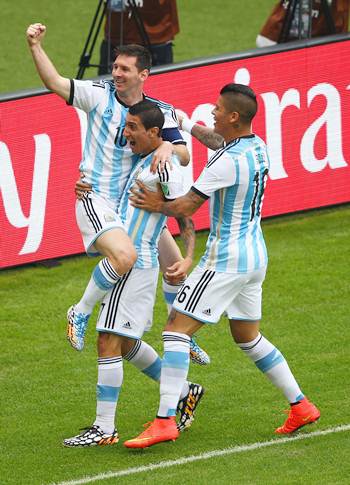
<point>207,311</point>
<point>127,325</point>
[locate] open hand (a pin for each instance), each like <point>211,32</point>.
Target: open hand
<point>145,199</point>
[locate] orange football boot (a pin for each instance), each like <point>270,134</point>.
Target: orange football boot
<point>159,430</point>
<point>299,415</point>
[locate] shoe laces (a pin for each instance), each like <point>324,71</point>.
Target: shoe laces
<point>148,424</point>
<point>194,346</point>
<point>80,324</point>
<point>147,429</point>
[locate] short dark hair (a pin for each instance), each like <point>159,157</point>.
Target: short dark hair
<point>143,56</point>
<point>240,98</point>
<point>149,113</point>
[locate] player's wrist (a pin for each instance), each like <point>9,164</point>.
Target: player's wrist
<point>187,125</point>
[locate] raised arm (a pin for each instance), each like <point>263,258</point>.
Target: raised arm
<point>46,70</point>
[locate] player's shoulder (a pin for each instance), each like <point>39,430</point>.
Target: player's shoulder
<point>222,154</point>
<point>162,104</point>
<point>105,84</point>
<point>240,145</point>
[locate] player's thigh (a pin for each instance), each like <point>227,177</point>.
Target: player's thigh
<point>206,294</point>
<point>246,306</point>
<point>95,216</point>
<point>127,309</point>
<point>168,251</point>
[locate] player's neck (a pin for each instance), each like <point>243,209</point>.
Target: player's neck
<point>151,148</point>
<point>130,98</point>
<point>237,133</point>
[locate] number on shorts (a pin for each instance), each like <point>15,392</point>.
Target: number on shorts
<point>101,310</point>
<point>181,296</point>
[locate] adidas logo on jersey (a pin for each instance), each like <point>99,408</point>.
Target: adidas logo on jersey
<point>207,311</point>
<point>127,325</point>
<point>108,111</point>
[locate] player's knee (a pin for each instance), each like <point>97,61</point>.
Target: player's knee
<point>108,345</point>
<point>124,260</point>
<point>244,334</point>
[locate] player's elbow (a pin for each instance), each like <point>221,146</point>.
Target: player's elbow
<point>186,211</point>
<point>59,85</point>
<point>183,155</point>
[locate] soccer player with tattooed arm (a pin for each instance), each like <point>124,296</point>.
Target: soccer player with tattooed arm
<point>230,274</point>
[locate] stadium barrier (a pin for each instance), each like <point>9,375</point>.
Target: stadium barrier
<point>304,116</point>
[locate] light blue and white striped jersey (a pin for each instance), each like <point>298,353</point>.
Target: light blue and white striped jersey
<point>144,228</point>
<point>107,158</point>
<point>234,179</point>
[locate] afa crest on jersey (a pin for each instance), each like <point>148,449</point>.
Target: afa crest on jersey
<point>165,188</point>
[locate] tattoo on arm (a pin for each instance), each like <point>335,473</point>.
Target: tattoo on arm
<point>187,233</point>
<point>207,136</point>
<point>184,206</point>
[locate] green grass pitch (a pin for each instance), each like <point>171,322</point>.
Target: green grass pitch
<point>48,389</point>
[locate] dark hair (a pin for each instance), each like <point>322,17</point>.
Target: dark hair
<point>149,113</point>
<point>240,98</point>
<point>143,56</point>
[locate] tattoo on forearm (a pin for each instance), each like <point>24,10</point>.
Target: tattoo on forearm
<point>188,235</point>
<point>171,316</point>
<point>207,136</point>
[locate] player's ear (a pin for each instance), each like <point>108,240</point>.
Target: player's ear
<point>154,132</point>
<point>144,74</point>
<point>234,117</point>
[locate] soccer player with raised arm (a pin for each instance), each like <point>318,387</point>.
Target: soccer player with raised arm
<point>105,167</point>
<point>127,309</point>
<point>229,277</point>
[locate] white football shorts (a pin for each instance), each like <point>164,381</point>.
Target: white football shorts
<point>95,215</point>
<point>206,295</point>
<point>127,309</point>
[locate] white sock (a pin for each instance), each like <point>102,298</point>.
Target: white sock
<point>174,371</point>
<point>110,379</point>
<point>271,362</point>
<point>103,278</point>
<point>146,359</point>
<point>170,292</point>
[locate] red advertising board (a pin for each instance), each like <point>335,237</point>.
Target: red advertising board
<point>304,116</point>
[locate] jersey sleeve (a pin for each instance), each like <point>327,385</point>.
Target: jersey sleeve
<point>86,94</point>
<point>170,131</point>
<point>173,135</point>
<point>218,174</point>
<point>172,181</point>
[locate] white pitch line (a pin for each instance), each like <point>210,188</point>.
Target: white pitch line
<point>204,456</point>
